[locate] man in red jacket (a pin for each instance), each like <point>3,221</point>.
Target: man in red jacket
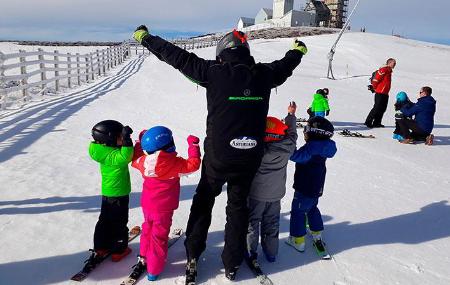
<point>381,84</point>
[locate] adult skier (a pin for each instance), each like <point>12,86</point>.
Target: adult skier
<point>380,85</point>
<point>237,92</point>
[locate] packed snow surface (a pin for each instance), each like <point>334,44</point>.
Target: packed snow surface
<point>385,205</point>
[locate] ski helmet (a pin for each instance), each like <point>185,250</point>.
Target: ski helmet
<point>157,138</point>
<point>232,40</point>
<point>319,128</point>
<point>402,96</point>
<point>107,132</point>
<point>275,130</point>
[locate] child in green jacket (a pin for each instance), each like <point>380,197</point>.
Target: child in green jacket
<point>319,106</point>
<point>112,148</point>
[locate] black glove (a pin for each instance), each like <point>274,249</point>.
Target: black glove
<point>370,88</point>
<point>328,112</point>
<point>126,136</point>
<point>142,27</point>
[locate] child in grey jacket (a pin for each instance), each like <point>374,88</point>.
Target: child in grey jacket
<point>269,186</point>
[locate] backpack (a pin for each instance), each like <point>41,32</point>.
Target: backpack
<point>372,77</point>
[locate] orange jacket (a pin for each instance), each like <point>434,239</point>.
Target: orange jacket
<point>382,81</point>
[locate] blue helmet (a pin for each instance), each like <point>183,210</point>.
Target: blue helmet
<point>157,138</point>
<point>402,96</point>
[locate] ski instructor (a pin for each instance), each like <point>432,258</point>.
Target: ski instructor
<point>237,94</point>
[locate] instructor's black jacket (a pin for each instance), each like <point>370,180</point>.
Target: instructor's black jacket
<point>238,92</point>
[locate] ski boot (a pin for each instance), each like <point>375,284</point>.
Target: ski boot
<point>152,277</point>
<point>191,271</point>
<point>116,257</point>
<point>230,273</point>
<point>139,268</point>
<point>297,242</point>
<point>96,257</point>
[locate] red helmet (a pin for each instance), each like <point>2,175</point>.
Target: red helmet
<point>275,130</point>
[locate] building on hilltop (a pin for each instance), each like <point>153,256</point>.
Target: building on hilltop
<point>317,13</point>
<point>339,9</point>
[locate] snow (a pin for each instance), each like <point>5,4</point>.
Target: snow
<point>385,206</point>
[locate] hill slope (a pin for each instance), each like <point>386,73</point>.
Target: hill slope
<point>386,205</point>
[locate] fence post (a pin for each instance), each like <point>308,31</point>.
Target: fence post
<point>78,69</point>
<point>91,62</point>
<point>2,93</point>
<point>69,71</point>
<point>42,68</point>
<point>103,62</point>
<point>129,50</point>
<point>56,59</point>
<point>98,62</point>
<point>108,58</point>
<point>86,59</point>
<point>23,70</point>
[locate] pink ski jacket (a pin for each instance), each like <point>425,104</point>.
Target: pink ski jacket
<point>161,172</point>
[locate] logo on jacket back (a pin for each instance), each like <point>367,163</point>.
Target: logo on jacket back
<point>243,143</point>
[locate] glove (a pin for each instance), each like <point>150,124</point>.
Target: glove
<point>292,108</point>
<point>140,33</point>
<point>370,88</point>
<point>399,115</point>
<point>141,134</point>
<point>327,112</point>
<point>126,133</point>
<point>193,140</point>
<point>194,149</point>
<point>300,46</point>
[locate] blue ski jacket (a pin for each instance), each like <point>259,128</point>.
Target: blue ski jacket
<point>423,112</point>
<point>310,168</point>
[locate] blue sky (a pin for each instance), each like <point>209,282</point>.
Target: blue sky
<point>105,20</point>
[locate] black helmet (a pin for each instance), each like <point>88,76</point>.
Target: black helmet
<point>107,132</point>
<point>319,128</point>
<point>232,40</point>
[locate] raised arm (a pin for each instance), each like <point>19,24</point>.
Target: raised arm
<point>188,63</point>
<point>283,68</point>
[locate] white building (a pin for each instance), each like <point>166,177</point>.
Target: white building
<point>282,14</point>
<point>245,22</point>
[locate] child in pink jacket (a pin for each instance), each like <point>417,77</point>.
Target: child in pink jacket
<point>156,159</point>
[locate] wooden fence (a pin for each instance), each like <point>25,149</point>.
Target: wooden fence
<point>42,70</point>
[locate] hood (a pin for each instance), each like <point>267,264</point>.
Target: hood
<point>324,148</point>
<point>238,55</point>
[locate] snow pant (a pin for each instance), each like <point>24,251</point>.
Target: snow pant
<point>264,216</point>
<point>405,125</point>
<point>379,108</point>
<point>320,114</point>
<point>210,186</point>
<point>303,208</point>
<point>154,239</point>
<point>111,231</point>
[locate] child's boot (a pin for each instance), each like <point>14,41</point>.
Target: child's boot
<point>139,268</point>
<point>297,242</point>
<point>116,257</point>
<point>152,277</point>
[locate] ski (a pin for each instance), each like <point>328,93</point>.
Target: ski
<point>347,133</point>
<point>257,271</point>
<point>321,250</point>
<point>89,266</point>
<point>139,269</point>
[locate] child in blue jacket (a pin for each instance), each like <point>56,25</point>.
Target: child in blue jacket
<point>309,180</point>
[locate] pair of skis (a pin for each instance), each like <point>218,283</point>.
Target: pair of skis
<point>133,278</point>
<point>89,267</point>
<point>348,133</point>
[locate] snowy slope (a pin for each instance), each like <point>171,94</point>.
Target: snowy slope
<point>386,205</point>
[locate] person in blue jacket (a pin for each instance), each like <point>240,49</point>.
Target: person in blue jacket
<point>421,126</point>
<point>309,180</point>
